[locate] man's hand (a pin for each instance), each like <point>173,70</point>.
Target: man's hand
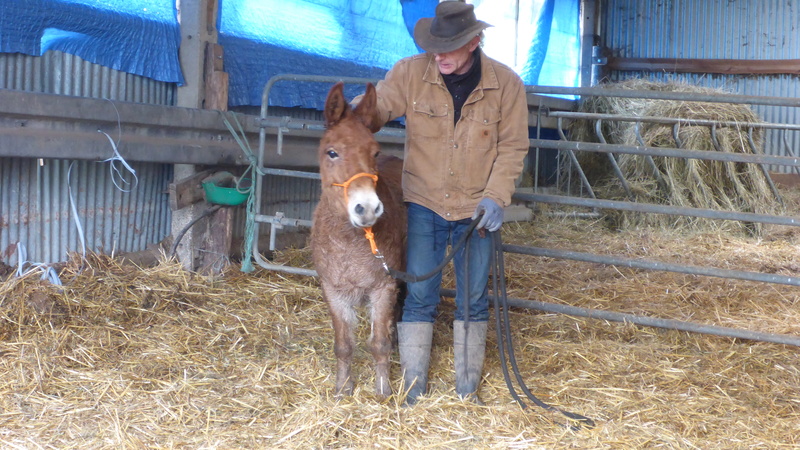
<point>492,215</point>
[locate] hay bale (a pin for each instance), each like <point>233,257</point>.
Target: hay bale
<point>681,182</point>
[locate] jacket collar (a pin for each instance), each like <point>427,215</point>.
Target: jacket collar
<point>488,75</point>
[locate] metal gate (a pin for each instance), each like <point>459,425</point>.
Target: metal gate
<point>584,196</point>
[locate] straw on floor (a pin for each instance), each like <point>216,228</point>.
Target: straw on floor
<point>127,357</point>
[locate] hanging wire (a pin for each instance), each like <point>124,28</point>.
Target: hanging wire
<point>48,273</point>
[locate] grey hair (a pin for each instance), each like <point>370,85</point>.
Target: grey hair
<point>483,37</point>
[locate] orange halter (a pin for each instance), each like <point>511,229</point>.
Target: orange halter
<point>367,230</point>
<point>346,184</point>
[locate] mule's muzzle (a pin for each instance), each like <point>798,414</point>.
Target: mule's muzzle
<point>364,209</point>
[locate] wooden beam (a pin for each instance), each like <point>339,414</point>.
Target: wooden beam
<point>188,191</point>
<point>193,18</point>
<point>719,66</point>
<point>216,87</point>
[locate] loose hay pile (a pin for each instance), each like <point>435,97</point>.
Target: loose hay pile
<point>158,358</point>
<point>679,182</point>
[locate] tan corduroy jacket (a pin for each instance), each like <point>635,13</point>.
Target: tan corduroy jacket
<point>450,169</point>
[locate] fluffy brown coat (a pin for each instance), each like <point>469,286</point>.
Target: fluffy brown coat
<point>350,275</point>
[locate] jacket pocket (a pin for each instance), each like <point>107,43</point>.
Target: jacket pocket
<point>481,150</point>
<point>483,124</point>
<point>427,120</point>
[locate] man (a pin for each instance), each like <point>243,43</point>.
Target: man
<point>466,137</point>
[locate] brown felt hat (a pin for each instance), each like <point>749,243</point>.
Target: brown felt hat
<point>452,27</point>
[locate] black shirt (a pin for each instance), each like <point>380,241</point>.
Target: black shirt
<point>460,86</point>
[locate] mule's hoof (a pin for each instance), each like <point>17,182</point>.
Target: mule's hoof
<point>345,390</point>
<point>382,387</point>
<point>472,398</point>
<point>383,393</point>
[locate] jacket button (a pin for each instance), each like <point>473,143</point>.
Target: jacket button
<point>446,195</point>
<point>455,145</point>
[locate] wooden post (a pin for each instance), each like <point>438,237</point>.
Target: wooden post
<point>206,86</point>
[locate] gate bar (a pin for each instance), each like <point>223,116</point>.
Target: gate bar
<point>665,95</point>
<point>666,151</point>
<point>653,265</point>
<point>657,209</point>
<point>670,120</point>
<point>655,322</point>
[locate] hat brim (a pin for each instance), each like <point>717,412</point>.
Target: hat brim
<point>433,44</point>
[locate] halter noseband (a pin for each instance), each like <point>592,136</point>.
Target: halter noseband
<point>346,184</point>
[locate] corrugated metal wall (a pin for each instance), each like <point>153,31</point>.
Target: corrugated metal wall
<point>34,203</point>
<point>34,200</point>
<point>712,29</point>
<point>62,73</point>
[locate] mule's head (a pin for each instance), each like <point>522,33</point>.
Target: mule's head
<point>347,154</point>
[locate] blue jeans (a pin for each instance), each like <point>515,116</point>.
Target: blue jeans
<point>428,237</point>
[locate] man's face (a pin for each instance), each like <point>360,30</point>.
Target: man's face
<point>459,60</point>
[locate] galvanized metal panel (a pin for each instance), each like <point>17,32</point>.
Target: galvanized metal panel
<point>293,197</point>
<point>35,208</point>
<point>34,195</point>
<point>713,29</point>
<point>65,74</point>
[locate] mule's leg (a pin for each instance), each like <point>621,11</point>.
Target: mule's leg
<point>344,320</point>
<point>382,302</point>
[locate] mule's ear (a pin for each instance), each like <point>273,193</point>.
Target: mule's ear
<point>335,106</point>
<point>367,110</point>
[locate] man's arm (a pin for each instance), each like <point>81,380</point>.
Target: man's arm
<point>512,145</point>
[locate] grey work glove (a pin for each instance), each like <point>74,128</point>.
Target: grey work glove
<point>492,214</point>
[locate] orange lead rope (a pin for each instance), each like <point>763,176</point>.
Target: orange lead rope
<point>371,238</point>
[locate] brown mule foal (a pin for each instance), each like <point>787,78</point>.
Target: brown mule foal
<point>352,199</point>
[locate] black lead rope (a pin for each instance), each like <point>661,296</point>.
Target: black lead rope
<point>501,319</point>
<point>504,339</point>
<point>411,278</point>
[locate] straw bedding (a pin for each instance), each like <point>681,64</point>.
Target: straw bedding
<point>678,182</point>
<point>155,357</point>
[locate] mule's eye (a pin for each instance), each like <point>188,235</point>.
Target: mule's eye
<point>375,155</point>
<point>332,153</point>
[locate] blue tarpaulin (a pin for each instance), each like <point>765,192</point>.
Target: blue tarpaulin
<point>554,52</point>
<point>364,38</point>
<point>347,38</point>
<point>134,36</point>
<point>263,38</point>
